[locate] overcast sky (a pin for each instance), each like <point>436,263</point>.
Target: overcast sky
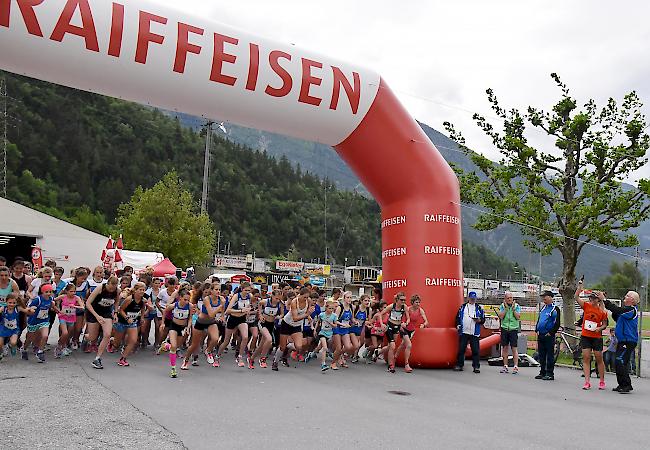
<point>441,56</point>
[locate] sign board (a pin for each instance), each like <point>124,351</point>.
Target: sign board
<point>474,283</point>
<point>235,262</point>
<point>289,266</point>
<point>491,284</point>
<point>317,269</point>
<point>278,278</point>
<point>240,278</point>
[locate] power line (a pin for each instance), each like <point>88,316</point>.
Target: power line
<point>3,94</point>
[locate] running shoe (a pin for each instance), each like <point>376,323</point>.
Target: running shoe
<point>515,370</point>
<point>324,367</point>
<point>97,363</point>
<point>66,351</point>
<point>408,369</point>
<point>274,366</point>
<point>504,370</point>
<point>195,360</point>
<point>309,357</point>
<point>251,362</point>
<point>216,362</point>
<point>333,366</point>
<point>185,365</point>
<point>24,355</point>
<point>110,348</point>
<point>172,372</point>
<point>294,355</point>
<point>57,353</point>
<point>123,362</point>
<point>5,350</point>
<point>75,345</point>
<point>40,356</point>
<point>587,386</point>
<point>263,363</point>
<point>364,355</point>
<point>210,358</point>
<point>391,369</point>
<point>344,364</point>
<point>601,386</point>
<point>13,351</point>
<point>240,362</point>
<point>285,362</point>
<point>301,358</point>
<point>355,359</point>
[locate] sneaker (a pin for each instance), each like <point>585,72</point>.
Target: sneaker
<point>110,348</point>
<point>263,364</point>
<point>66,351</point>
<point>309,357</point>
<point>5,350</point>
<point>548,378</point>
<point>477,370</point>
<point>616,389</point>
<point>515,371</point>
<point>334,366</point>
<point>122,362</point>
<point>57,353</point>
<point>40,356</point>
<point>324,367</point>
<point>587,386</point>
<point>274,366</point>
<point>251,362</point>
<point>301,358</point>
<point>97,363</point>
<point>195,360</point>
<point>391,369</point>
<point>355,359</point>
<point>185,365</point>
<point>601,386</point>
<point>210,358</point>
<point>172,372</point>
<point>13,351</point>
<point>458,369</point>
<point>240,362</point>
<point>285,362</point>
<point>74,345</point>
<point>408,369</point>
<point>216,362</point>
<point>624,390</point>
<point>294,355</point>
<point>504,370</point>
<point>539,377</point>
<point>24,355</point>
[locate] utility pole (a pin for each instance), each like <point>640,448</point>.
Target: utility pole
<point>206,166</point>
<point>3,96</point>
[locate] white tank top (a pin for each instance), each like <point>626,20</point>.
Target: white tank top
<point>289,319</point>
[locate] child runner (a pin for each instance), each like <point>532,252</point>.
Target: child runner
<point>82,289</point>
<point>181,310</point>
<point>397,312</point>
<point>328,321</point>
<point>209,306</point>
<point>238,308</point>
<point>99,313</point>
<point>128,320</point>
<point>165,296</point>
<point>252,320</point>
<point>377,332</point>
<point>38,321</point>
<point>9,328</point>
<point>269,310</point>
<point>417,319</point>
<point>153,289</point>
<point>341,339</point>
<point>7,285</point>
<point>68,303</point>
<point>357,332</point>
<point>291,326</point>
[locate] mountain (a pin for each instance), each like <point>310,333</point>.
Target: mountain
<point>323,161</point>
<point>77,156</point>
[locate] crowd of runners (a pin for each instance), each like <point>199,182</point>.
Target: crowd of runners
<point>98,311</point>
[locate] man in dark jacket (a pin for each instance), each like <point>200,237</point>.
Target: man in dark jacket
<point>627,323</point>
<point>468,322</point>
<point>548,323</point>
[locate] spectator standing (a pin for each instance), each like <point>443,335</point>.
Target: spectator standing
<point>548,323</point>
<point>509,313</point>
<point>468,322</point>
<point>627,322</point>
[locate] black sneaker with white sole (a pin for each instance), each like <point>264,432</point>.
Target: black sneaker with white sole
<point>97,363</point>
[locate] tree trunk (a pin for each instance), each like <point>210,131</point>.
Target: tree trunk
<point>568,285</point>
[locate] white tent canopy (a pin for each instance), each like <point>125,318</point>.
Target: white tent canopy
<point>140,260</point>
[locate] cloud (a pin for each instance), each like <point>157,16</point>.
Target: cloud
<point>441,56</point>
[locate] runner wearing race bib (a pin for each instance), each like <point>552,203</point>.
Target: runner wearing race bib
<point>269,310</point>
<point>180,311</point>
<point>38,321</point>
<point>209,306</point>
<point>238,308</point>
<point>342,341</point>
<point>99,313</point>
<point>69,304</point>
<point>9,326</point>
<point>128,320</point>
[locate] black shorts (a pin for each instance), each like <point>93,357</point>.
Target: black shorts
<point>202,326</point>
<point>392,331</point>
<point>252,324</point>
<point>367,333</point>
<point>168,323</point>
<point>268,325</point>
<point>509,337</point>
<point>288,330</point>
<point>222,329</point>
<point>176,327</point>
<point>593,343</point>
<point>90,318</point>
<point>233,322</point>
<point>404,332</point>
<point>307,333</point>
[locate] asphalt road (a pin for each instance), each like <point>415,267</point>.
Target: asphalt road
<point>302,408</point>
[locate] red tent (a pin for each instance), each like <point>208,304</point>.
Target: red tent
<point>164,267</point>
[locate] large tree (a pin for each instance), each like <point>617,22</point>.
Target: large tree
<point>165,219</point>
<point>567,197</point>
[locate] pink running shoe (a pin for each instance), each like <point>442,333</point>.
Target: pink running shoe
<point>601,386</point>
<point>587,386</point>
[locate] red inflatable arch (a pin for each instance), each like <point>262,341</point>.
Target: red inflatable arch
<point>140,51</point>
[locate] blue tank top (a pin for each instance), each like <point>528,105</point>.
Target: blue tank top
<point>346,316</point>
<point>360,317</point>
<point>242,302</point>
<point>42,307</point>
<point>181,312</point>
<point>9,320</point>
<point>204,310</point>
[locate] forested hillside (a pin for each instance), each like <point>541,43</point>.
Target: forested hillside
<point>78,156</point>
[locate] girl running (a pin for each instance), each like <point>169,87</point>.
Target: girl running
<point>377,332</point>
<point>97,278</point>
<point>99,314</point>
<point>252,320</point>
<point>9,329</point>
<point>128,321</point>
<point>166,296</point>
<point>291,327</point>
<point>341,336</point>
<point>328,321</point>
<point>82,290</point>
<point>398,319</point>
<point>68,304</point>
<point>417,319</point>
<point>269,310</point>
<point>357,332</point>
<point>38,321</point>
<point>7,285</point>
<point>44,277</point>
<point>209,306</point>
<point>180,310</point>
<point>151,295</point>
<point>238,309</point>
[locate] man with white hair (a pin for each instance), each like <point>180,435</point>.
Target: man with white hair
<point>509,314</point>
<point>627,323</point>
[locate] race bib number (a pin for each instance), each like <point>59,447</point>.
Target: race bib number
<point>68,311</point>
<point>590,325</point>
<point>327,326</point>
<point>181,314</point>
<point>133,315</point>
<point>11,324</point>
<point>106,302</point>
<point>241,304</point>
<point>42,314</point>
